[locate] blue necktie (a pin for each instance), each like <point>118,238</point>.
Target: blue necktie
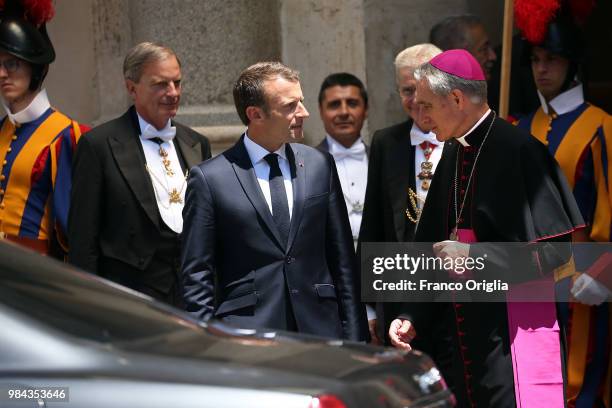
<point>278,194</point>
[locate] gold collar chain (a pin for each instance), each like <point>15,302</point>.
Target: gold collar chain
<point>174,195</point>
<point>414,202</point>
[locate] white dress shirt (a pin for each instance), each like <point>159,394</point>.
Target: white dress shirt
<point>163,183</point>
<point>564,102</point>
<point>417,136</point>
<point>352,166</point>
<point>33,111</point>
<point>262,170</point>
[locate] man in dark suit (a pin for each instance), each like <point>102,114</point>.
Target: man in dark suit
<point>343,106</point>
<point>267,242</point>
<point>129,184</point>
<point>403,158</point>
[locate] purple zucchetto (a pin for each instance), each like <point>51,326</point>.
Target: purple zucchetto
<point>459,63</point>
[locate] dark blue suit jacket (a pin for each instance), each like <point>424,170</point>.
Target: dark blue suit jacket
<point>235,267</point>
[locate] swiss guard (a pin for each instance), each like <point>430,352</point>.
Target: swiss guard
<point>579,135</point>
<point>36,140</point>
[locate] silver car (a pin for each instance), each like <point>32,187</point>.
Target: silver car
<point>71,339</point>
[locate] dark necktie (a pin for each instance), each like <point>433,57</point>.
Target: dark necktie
<point>278,194</point>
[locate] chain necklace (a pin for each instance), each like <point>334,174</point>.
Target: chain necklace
<point>414,201</point>
<point>453,235</point>
<point>165,161</point>
<point>174,195</point>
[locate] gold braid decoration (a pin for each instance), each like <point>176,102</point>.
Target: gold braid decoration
<point>414,199</point>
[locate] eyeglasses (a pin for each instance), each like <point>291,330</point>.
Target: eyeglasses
<point>10,65</point>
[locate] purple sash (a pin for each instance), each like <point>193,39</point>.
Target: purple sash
<point>535,341</point>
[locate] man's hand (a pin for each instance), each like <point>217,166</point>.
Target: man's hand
<point>588,291</point>
<point>451,250</point>
<point>374,340</point>
<point>401,333</point>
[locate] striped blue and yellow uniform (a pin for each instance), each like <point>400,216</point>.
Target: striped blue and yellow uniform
<point>581,142</point>
<point>35,175</point>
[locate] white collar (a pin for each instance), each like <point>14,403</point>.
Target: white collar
<point>417,136</point>
<point>334,146</point>
<point>257,153</point>
<point>33,111</point>
<point>564,102</point>
<point>143,124</point>
<point>462,138</point>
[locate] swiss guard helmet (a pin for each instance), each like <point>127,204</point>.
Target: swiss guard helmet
<point>24,35</point>
<point>554,26</point>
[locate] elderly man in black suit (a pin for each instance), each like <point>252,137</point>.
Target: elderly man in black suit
<point>403,158</point>
<point>129,184</point>
<point>267,242</point>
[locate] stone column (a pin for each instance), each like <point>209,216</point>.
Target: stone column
<point>215,40</point>
<point>390,27</point>
<point>320,37</point>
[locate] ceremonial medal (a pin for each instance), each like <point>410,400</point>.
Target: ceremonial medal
<point>165,161</point>
<point>426,166</point>
<point>357,207</point>
<point>175,197</point>
<point>426,173</point>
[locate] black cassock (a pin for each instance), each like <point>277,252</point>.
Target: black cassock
<point>517,194</point>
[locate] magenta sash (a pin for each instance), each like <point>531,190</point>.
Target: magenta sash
<point>535,341</point>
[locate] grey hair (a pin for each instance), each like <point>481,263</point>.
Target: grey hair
<point>452,32</point>
<point>413,57</point>
<point>142,54</point>
<point>442,83</point>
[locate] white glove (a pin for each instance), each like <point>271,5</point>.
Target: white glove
<point>590,292</point>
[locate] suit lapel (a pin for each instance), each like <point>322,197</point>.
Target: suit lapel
<point>126,148</point>
<point>323,146</point>
<point>298,175</point>
<point>401,162</point>
<point>188,147</point>
<point>239,158</point>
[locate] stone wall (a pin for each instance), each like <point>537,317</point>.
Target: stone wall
<point>320,37</point>
<point>393,25</point>
<point>216,39</point>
